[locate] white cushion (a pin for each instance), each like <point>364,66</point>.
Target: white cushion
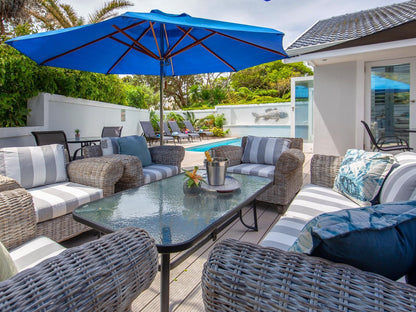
<point>33,166</point>
<point>264,150</point>
<point>405,157</point>
<point>400,184</point>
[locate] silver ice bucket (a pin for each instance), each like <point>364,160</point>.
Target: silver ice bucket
<point>216,170</point>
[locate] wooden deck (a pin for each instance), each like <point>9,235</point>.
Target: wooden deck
<point>185,285</point>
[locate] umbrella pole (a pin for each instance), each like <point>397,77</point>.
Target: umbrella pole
<point>161,103</point>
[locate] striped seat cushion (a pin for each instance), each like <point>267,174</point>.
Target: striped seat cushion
<point>33,166</point>
<point>264,150</point>
<point>52,201</point>
<point>154,173</point>
<point>34,252</point>
<point>253,169</point>
<point>400,184</point>
<point>311,201</point>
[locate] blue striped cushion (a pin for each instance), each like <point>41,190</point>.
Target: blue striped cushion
<point>52,201</point>
<point>154,173</point>
<point>264,150</point>
<point>110,146</point>
<point>254,169</point>
<point>33,166</point>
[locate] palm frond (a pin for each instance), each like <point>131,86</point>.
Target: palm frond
<point>70,14</point>
<point>107,11</point>
<point>47,22</point>
<point>53,8</point>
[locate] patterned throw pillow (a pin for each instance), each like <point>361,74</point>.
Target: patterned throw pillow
<point>110,146</point>
<point>378,238</point>
<point>264,150</point>
<point>33,166</point>
<point>362,174</point>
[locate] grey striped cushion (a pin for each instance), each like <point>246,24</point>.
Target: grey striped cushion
<point>264,150</point>
<point>154,173</point>
<point>52,201</point>
<point>110,146</point>
<point>399,184</point>
<point>405,157</point>
<point>311,201</point>
<point>35,251</point>
<point>253,169</point>
<point>33,166</point>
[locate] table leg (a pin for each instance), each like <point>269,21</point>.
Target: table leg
<point>164,282</point>
<point>255,227</point>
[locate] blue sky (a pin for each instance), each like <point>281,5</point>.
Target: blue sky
<point>292,17</point>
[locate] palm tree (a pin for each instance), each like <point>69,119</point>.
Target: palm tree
<point>11,10</point>
<point>54,15</point>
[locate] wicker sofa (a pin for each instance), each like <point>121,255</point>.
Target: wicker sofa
<point>80,181</point>
<point>166,161</point>
<point>288,171</point>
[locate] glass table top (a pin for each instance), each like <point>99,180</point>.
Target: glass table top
<point>165,212</point>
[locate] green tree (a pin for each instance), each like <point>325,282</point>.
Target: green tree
<point>13,11</point>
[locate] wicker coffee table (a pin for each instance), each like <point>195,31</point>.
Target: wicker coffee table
<point>176,221</point>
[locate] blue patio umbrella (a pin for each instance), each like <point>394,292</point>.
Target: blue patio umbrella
<point>154,43</point>
<point>379,83</point>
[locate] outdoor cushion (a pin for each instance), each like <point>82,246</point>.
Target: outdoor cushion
<point>154,173</point>
<point>405,157</point>
<point>253,169</point>
<point>312,200</point>
<point>110,146</point>
<point>33,166</point>
<point>378,239</point>
<point>52,201</point>
<point>35,251</point>
<point>7,266</point>
<point>400,184</point>
<point>137,146</point>
<point>264,150</point>
<point>362,174</point>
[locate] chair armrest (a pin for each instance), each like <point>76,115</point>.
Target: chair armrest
<point>97,172</point>
<point>17,217</point>
<point>290,160</point>
<point>7,183</point>
<point>102,275</point>
<point>233,153</point>
<point>324,169</point>
<point>92,151</point>
<point>132,174</point>
<point>168,155</point>
<point>241,276</point>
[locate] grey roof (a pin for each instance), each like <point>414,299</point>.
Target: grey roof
<point>352,26</point>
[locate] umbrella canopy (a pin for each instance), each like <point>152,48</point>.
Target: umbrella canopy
<point>384,84</point>
<point>154,43</point>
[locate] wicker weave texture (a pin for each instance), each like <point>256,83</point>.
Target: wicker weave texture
<point>17,217</point>
<point>102,275</point>
<point>324,169</point>
<point>168,155</point>
<point>242,276</point>
<point>7,183</point>
<point>132,173</point>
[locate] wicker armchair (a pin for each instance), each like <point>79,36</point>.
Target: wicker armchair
<point>241,276</point>
<point>288,176</point>
<point>102,275</point>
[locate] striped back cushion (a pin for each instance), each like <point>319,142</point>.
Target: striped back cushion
<point>264,150</point>
<point>405,157</point>
<point>110,146</point>
<point>400,184</point>
<point>34,165</point>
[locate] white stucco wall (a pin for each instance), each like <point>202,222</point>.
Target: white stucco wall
<point>335,108</point>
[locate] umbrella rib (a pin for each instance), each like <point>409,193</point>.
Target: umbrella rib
<point>136,42</point>
<point>119,60</point>
<point>134,47</point>
<point>179,41</point>
<point>154,36</point>
<point>197,42</point>
<point>167,41</point>
<point>89,43</point>
<point>249,43</point>
<point>209,50</point>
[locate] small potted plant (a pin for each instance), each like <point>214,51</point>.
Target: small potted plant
<point>192,184</point>
<point>77,135</point>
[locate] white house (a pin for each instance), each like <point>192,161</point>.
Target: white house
<point>350,54</point>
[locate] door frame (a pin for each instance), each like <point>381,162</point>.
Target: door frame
<point>293,106</point>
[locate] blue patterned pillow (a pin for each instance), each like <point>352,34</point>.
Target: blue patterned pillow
<point>362,174</point>
<point>378,238</point>
<point>264,150</point>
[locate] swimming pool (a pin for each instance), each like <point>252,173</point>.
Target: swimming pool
<point>205,147</point>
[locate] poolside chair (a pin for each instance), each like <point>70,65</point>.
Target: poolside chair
<point>176,134</point>
<point>387,143</point>
<point>150,135</point>
<point>111,132</point>
<point>191,129</point>
<point>54,137</point>
<point>174,126</point>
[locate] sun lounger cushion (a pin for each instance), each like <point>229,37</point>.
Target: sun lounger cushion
<point>311,201</point>
<point>361,175</point>
<point>137,146</point>
<point>154,173</point>
<point>109,146</point>
<point>400,184</point>
<point>52,201</point>
<point>378,238</point>
<point>7,266</point>
<point>264,150</point>
<point>33,166</point>
<point>260,170</point>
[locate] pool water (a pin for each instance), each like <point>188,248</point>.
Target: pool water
<point>205,147</point>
